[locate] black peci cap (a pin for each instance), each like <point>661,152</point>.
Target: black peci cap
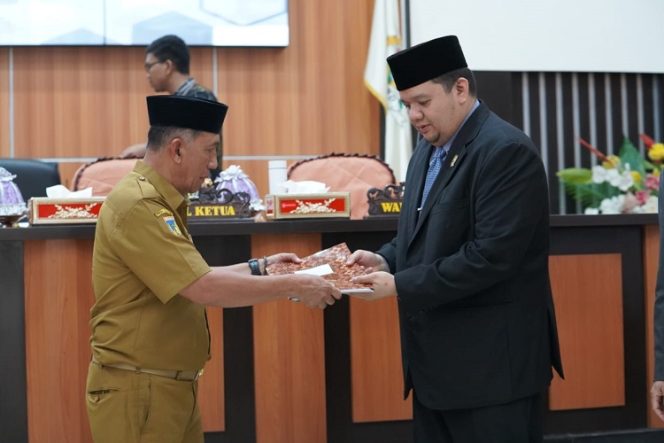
<point>426,61</point>
<point>186,112</point>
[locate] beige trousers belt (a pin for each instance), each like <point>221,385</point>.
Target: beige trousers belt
<point>175,375</point>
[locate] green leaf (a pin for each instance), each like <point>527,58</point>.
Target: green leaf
<point>650,166</point>
<point>631,156</point>
<point>591,194</point>
<point>575,176</point>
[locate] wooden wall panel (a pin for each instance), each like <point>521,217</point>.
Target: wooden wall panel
<point>376,375</point>
<point>4,102</point>
<point>308,98</point>
<point>651,264</point>
<point>289,358</point>
<point>78,101</point>
<point>587,292</point>
<point>211,385</point>
<point>58,298</point>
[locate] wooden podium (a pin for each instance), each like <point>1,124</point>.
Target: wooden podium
<point>283,373</point>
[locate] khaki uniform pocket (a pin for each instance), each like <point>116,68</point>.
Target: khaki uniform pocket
<point>118,404</point>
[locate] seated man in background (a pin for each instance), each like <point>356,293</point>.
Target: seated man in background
<point>150,338</point>
<point>167,69</point>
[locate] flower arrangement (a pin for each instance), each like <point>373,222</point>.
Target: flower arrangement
<point>622,184</point>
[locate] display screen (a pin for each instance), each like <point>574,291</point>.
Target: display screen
<point>138,22</point>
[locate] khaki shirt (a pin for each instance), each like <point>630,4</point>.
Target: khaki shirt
<point>143,256</point>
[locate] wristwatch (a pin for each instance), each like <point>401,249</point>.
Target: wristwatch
<point>254,266</point>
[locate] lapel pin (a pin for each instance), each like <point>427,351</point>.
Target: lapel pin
<point>454,159</point>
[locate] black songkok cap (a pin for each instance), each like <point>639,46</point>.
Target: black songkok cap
<point>186,112</point>
<point>426,61</point>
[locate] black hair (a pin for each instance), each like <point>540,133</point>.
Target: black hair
<point>173,48</point>
<point>449,79</point>
<point>159,136</point>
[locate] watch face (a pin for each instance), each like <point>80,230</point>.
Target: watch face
<point>254,267</point>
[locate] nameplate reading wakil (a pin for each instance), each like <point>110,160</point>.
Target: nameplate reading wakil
<point>385,202</point>
<point>390,207</point>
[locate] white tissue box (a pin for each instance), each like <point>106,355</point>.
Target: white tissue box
<point>45,210</point>
<point>329,204</point>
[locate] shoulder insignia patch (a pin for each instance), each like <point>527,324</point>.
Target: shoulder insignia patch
<point>172,225</point>
<point>162,212</point>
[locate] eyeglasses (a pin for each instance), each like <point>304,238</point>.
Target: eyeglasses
<point>149,66</point>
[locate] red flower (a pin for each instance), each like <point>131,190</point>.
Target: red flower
<point>652,182</point>
<point>647,140</point>
<point>642,197</point>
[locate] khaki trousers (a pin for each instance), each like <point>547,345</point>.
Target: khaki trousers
<point>129,407</point>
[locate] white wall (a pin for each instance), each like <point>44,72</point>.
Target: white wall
<point>552,35</point>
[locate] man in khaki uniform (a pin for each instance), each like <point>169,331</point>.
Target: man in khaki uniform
<point>150,339</point>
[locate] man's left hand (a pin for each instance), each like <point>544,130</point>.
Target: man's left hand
<point>657,398</point>
<point>283,257</point>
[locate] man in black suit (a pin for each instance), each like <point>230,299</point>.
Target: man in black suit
<point>657,389</point>
<point>469,263</point>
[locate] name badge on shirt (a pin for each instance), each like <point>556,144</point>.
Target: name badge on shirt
<point>172,225</point>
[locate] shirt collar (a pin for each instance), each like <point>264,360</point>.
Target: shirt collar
<point>185,87</point>
<point>173,198</point>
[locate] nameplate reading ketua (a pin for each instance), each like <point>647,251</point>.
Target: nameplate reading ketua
<point>211,210</point>
<point>208,211</point>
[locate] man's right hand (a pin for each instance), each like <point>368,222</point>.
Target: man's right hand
<point>657,398</point>
<point>314,291</point>
<point>368,259</point>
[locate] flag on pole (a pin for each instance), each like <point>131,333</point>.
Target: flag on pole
<point>385,40</point>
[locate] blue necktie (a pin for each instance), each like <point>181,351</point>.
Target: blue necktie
<point>435,163</point>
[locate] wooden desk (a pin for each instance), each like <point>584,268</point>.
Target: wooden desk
<point>283,373</point>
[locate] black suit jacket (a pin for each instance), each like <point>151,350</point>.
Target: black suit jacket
<point>471,269</point>
<point>659,296</point>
